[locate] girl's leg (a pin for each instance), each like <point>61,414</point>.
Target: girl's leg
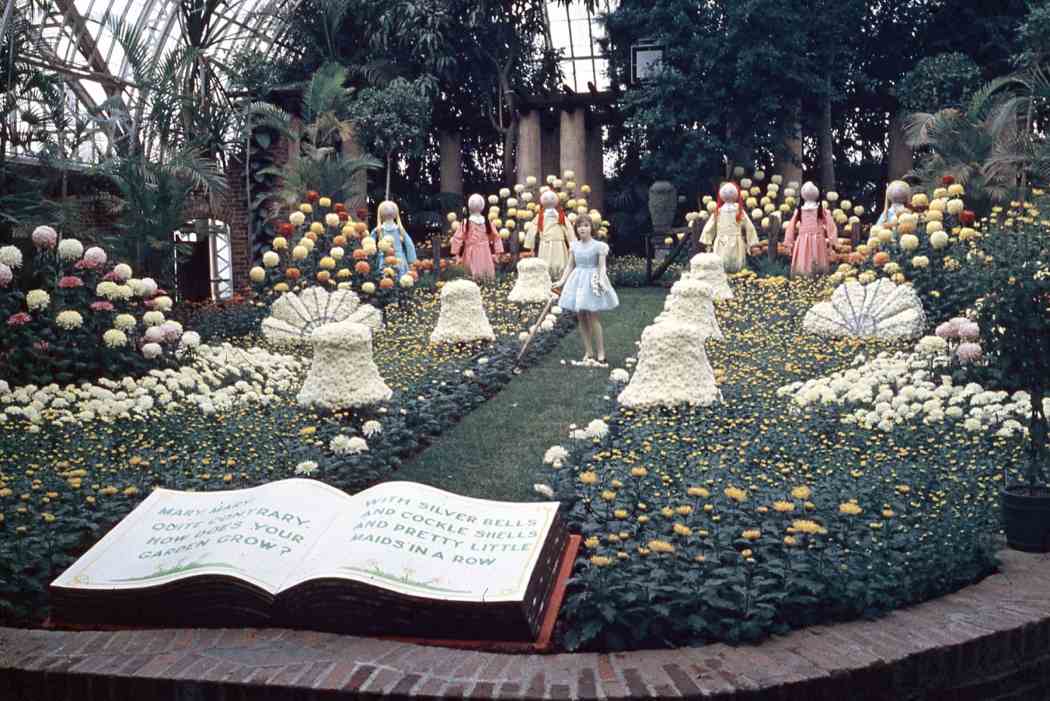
<point>583,321</point>
<point>599,338</point>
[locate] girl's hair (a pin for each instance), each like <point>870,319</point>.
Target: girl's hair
<point>585,218</point>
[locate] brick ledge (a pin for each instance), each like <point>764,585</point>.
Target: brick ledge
<point>989,641</point>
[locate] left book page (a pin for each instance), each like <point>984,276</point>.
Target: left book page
<point>258,535</point>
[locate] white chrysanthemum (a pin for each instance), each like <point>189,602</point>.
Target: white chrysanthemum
<point>190,339</point>
<point>151,350</point>
<point>598,428</point>
<point>69,319</point>
<point>124,322</point>
<point>163,303</point>
<point>297,218</point>
<point>114,338</point>
<point>122,271</point>
<point>306,467</point>
<point>543,490</point>
<point>37,300</point>
<point>932,345</point>
<point>619,376</point>
<point>153,318</point>
<point>106,289</point>
<point>371,428</point>
<point>70,249</point>
<point>555,453</point>
<point>146,287</point>
<point>11,256</point>
<point>270,259</point>
<point>95,256</point>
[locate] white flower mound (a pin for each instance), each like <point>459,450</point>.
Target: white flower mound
<point>343,374</point>
<point>293,317</point>
<point>462,318</point>
<point>900,389</point>
<point>220,378</point>
<point>533,283</point>
<point>672,369</point>
<point>709,268</point>
<point>881,309</point>
<point>692,302</point>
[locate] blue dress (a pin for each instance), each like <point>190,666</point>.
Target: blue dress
<point>578,293</point>
<point>404,249</point>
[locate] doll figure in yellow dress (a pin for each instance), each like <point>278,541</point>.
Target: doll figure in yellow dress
<point>550,234</point>
<point>729,232</point>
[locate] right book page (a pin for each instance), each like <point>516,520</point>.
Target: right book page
<point>424,542</point>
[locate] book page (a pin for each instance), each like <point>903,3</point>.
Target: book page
<point>421,541</point>
<point>258,535</point>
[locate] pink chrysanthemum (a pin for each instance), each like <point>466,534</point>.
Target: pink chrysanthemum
<point>68,282</point>
<point>101,306</point>
<point>19,319</point>
<point>969,352</point>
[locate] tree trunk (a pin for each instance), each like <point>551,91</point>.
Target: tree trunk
<point>389,156</point>
<point>789,161</point>
<point>827,146</point>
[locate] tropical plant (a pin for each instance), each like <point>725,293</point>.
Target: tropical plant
<point>977,145</point>
<point>321,165</point>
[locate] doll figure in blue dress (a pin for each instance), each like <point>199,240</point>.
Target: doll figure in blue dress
<point>585,288</point>
<point>401,245</point>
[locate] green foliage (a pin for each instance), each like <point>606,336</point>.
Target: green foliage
<point>939,82</point>
<point>675,557</point>
<point>1014,317</point>
<point>394,119</point>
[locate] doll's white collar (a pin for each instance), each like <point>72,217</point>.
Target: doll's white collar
<point>810,205</point>
<point>476,218</point>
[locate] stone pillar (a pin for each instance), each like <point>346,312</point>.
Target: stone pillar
<point>530,148</point>
<point>359,197</point>
<point>596,168</point>
<point>451,162</point>
<point>550,154</point>
<point>573,144</point>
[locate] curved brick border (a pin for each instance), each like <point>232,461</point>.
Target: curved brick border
<point>989,641</point>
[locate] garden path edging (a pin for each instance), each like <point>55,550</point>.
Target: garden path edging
<point>990,641</point>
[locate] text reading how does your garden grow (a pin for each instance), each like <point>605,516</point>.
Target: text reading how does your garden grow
<point>241,523</point>
<point>435,531</point>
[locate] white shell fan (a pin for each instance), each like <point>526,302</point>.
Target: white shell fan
<point>293,317</point>
<point>881,309</point>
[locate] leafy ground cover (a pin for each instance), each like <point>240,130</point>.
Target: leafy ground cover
<point>63,484</point>
<point>754,516</point>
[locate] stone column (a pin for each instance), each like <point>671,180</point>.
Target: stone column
<point>451,162</point>
<point>573,144</point>
<point>550,153</point>
<point>359,197</point>
<point>596,168</point>
<point>530,147</point>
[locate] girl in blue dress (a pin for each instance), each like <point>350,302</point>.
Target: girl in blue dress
<point>585,287</point>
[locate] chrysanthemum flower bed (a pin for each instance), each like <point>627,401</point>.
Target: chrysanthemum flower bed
<point>63,484</point>
<point>757,515</point>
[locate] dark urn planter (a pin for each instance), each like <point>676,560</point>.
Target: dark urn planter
<point>1026,518</point>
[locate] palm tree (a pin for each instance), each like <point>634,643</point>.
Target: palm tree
<point>982,146</point>
<point>325,127</point>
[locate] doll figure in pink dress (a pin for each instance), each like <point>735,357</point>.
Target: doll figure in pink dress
<point>476,243</point>
<point>810,235</point>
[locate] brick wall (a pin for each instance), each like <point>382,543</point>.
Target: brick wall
<point>988,642</point>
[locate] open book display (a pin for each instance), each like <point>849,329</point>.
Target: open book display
<point>399,558</point>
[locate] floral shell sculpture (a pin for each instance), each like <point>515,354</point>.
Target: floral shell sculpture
<point>293,317</point>
<point>881,309</point>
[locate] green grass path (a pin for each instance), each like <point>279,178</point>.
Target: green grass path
<point>496,452</point>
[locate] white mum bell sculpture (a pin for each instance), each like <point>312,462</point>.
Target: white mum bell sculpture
<point>672,369</point>
<point>533,283</point>
<point>343,374</point>
<point>709,268</point>
<point>692,302</point>
<point>462,318</point>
